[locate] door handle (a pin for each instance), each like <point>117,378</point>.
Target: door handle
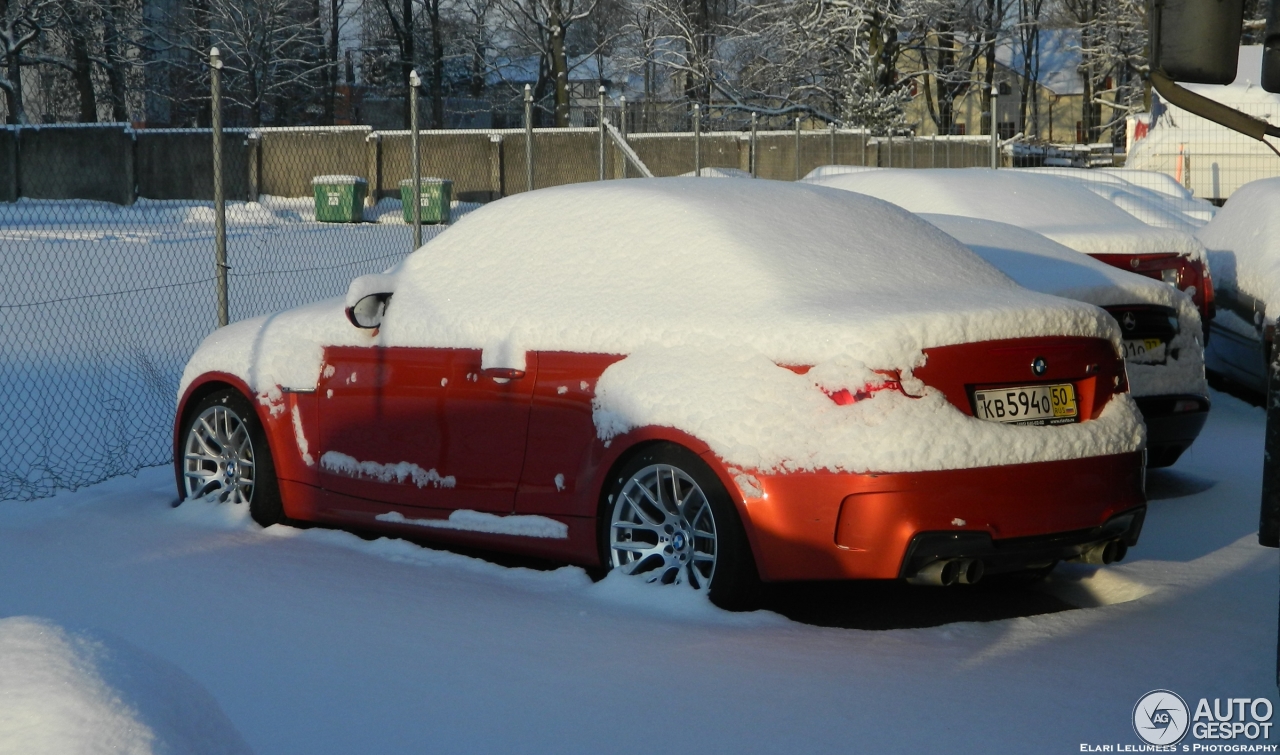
<point>502,373</point>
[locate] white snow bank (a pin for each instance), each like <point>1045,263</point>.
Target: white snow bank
<point>1043,265</point>
<point>70,692</point>
<point>1244,244</point>
<point>823,171</point>
<point>757,415</point>
<point>1066,211</point>
<point>523,525</point>
<point>718,173</point>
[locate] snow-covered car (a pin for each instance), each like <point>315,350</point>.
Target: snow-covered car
<point>1064,210</point>
<point>1158,200</point>
<point>1244,247</point>
<point>1160,327</point>
<point>701,382</point>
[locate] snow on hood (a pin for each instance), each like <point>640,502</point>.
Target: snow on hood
<point>1064,210</point>
<point>1041,264</point>
<point>64,691</point>
<point>774,273</point>
<point>1244,243</point>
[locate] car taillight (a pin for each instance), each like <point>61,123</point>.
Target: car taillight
<point>1188,275</point>
<point>844,396</point>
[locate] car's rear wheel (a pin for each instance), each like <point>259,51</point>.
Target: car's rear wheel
<point>669,520</point>
<point>225,457</point>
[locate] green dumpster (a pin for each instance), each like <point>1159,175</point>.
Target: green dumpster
<point>435,198</point>
<point>339,199</point>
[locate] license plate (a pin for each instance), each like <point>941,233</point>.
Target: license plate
<point>1029,405</point>
<point>1144,350</point>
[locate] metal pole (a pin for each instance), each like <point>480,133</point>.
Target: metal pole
<point>797,150</point>
<point>912,150</point>
<point>933,149</point>
<point>697,140</point>
<point>528,138</point>
<point>833,143</point>
<point>995,131</point>
<point>600,124</point>
<point>752,156</point>
<point>414,83</point>
<point>622,128</point>
<point>219,196</point>
<point>890,148</point>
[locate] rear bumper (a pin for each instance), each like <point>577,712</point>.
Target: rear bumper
<point>1017,554</point>
<point>846,526</point>
<point>1170,432</point>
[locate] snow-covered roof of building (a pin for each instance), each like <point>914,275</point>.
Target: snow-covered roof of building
<point>1062,209</point>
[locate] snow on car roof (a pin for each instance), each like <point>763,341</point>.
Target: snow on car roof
<point>796,272</point>
<point>1156,208</point>
<point>1063,210</point>
<point>1244,243</point>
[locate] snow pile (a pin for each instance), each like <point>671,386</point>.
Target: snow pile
<point>524,525</point>
<point>784,273</point>
<point>78,692</point>
<point>718,173</point>
<point>1244,244</point>
<point>824,171</point>
<point>1046,266</point>
<point>1065,211</point>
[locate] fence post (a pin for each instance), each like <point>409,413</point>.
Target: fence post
<point>797,150</point>
<point>600,127</point>
<point>528,138</point>
<point>697,140</point>
<point>912,149</point>
<point>219,195</point>
<point>933,149</point>
<point>622,128</point>
<point>254,141</point>
<point>414,83</point>
<point>833,143</point>
<point>751,156</point>
<point>995,132</point>
<point>890,148</point>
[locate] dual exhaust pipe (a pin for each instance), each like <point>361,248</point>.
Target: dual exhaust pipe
<point>1104,553</point>
<point>969,571</point>
<point>954,571</point>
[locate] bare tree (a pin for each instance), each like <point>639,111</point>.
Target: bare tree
<point>22,24</point>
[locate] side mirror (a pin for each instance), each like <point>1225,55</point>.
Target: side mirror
<point>367,298</point>
<point>367,313</point>
<point>1271,51</point>
<point>1196,41</point>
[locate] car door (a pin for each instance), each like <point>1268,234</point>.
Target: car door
<point>422,427</point>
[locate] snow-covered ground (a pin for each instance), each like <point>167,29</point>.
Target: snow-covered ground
<point>316,641</point>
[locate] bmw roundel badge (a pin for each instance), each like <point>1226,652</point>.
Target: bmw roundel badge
<point>1039,366</point>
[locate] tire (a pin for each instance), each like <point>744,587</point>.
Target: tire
<point>225,457</point>
<point>666,518</point>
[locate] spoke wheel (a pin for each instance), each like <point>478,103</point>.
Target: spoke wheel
<point>218,457</point>
<point>225,457</point>
<point>663,529</point>
<point>666,518</point>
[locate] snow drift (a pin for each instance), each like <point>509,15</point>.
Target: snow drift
<point>79,692</point>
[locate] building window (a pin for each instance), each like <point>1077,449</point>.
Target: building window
<point>1006,130</point>
<point>1005,89</point>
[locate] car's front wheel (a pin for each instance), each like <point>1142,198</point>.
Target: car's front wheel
<point>225,457</point>
<point>671,521</point>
